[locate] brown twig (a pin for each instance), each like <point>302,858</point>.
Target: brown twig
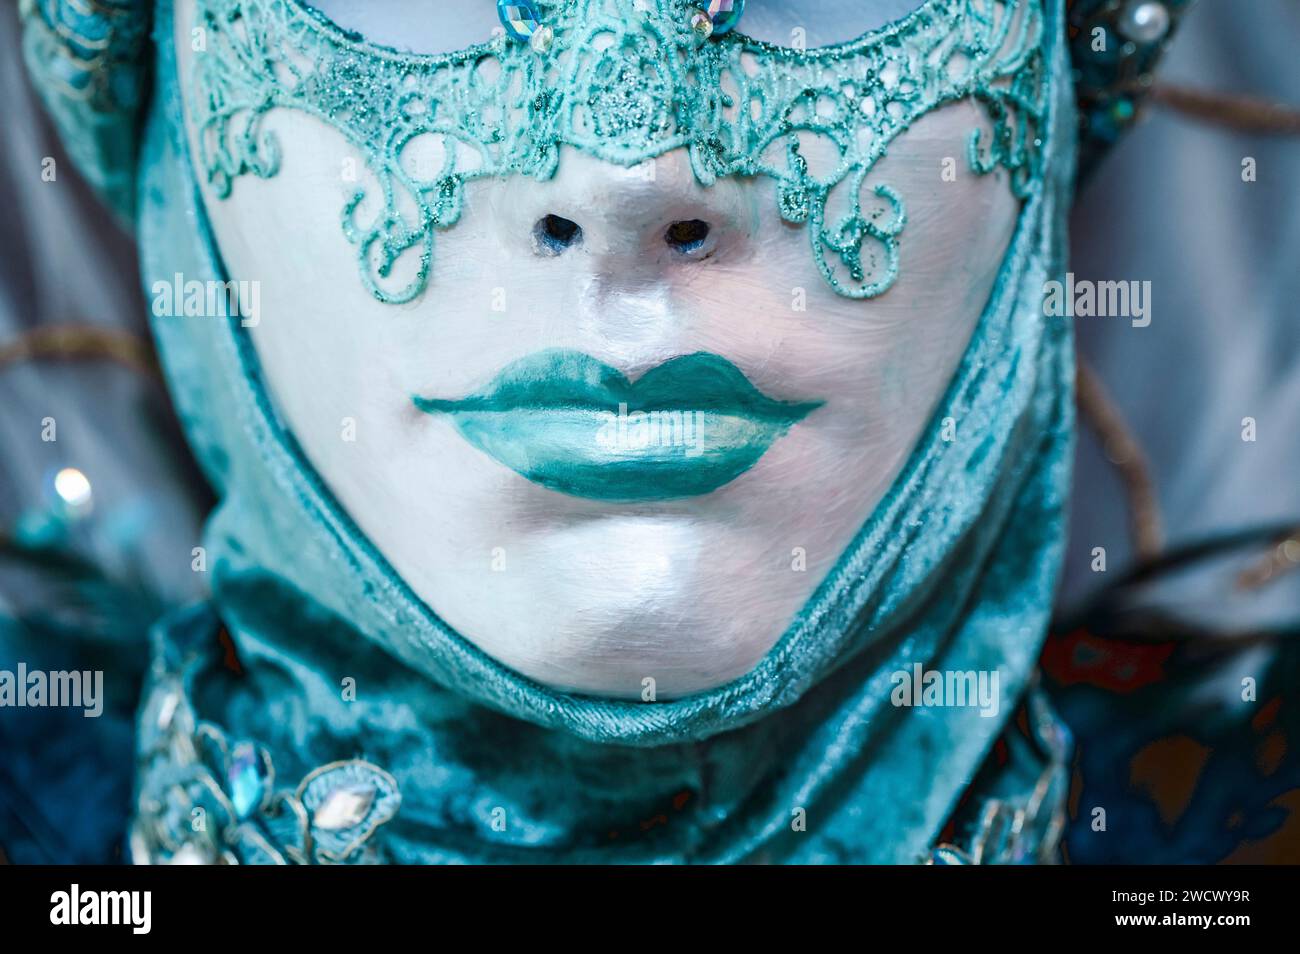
<point>1124,451</point>
<point>1283,558</point>
<point>80,343</point>
<point>1243,113</point>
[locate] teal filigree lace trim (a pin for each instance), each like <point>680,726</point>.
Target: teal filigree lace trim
<point>624,83</point>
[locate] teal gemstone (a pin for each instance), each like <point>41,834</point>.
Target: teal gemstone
<point>725,14</point>
<point>521,18</point>
<point>246,781</point>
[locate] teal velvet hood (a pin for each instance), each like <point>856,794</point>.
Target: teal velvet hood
<point>314,709</point>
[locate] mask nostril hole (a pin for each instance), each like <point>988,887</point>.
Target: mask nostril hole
<point>687,236</point>
<point>555,233</point>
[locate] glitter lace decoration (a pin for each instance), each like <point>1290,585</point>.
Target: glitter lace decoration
<point>625,83</point>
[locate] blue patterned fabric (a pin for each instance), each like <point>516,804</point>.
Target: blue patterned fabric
<point>87,59</point>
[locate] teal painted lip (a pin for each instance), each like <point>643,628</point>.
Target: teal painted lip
<point>575,425</point>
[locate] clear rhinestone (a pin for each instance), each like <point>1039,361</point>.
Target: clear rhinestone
<point>167,710</point>
<point>542,39</point>
<point>344,807</point>
<point>701,25</point>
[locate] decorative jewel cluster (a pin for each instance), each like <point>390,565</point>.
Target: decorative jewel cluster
<point>625,83</point>
<point>207,800</point>
<point>1116,46</point>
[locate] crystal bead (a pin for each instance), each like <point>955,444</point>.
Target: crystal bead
<point>344,808</point>
<point>245,779</point>
<point>701,25</point>
<point>521,18</point>
<point>1144,21</point>
<point>724,14</point>
<point>167,710</point>
<point>346,802</point>
<point>542,39</point>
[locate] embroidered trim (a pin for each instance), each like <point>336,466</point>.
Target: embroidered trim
<point>207,800</point>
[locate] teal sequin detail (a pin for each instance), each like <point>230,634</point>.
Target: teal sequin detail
<point>624,85</point>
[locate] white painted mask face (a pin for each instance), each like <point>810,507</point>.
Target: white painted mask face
<point>753,415</point>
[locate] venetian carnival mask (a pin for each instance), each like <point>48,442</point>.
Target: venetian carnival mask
<point>612,330</point>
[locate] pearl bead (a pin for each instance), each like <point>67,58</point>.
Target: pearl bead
<point>1144,21</point>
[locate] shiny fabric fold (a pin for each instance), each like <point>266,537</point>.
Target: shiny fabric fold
<point>88,66</point>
